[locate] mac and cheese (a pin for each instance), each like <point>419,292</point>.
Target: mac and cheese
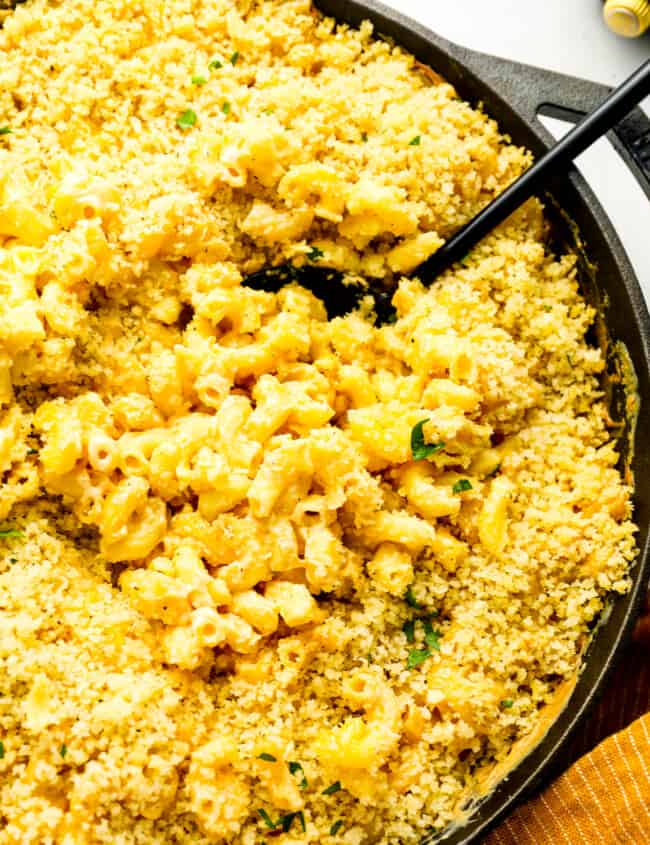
<point>261,571</point>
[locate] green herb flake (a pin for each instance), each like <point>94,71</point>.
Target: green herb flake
<point>32,451</point>
<point>215,64</point>
<point>334,829</point>
<point>391,319</point>
<point>410,599</point>
<point>268,821</point>
<point>507,703</point>
<point>419,448</point>
<point>296,768</point>
<point>416,141</point>
<point>2,750</point>
<point>10,533</point>
<point>548,308</point>
<point>462,486</point>
<point>234,58</point>
<point>287,821</point>
<point>417,657</point>
<point>315,254</point>
<point>63,751</point>
<point>333,788</point>
<point>199,80</point>
<point>301,819</point>
<point>225,108</point>
<point>409,630</point>
<point>186,119</point>
<point>466,260</point>
<point>268,757</point>
<point>370,658</point>
<point>364,137</point>
<point>431,638</point>
<point>5,130</point>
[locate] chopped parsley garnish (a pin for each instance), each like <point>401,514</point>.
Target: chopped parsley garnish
<point>416,141</point>
<point>2,750</point>
<point>419,448</point>
<point>410,599</point>
<point>268,757</point>
<point>333,788</point>
<point>334,829</point>
<point>548,308</point>
<point>234,58</point>
<point>268,821</point>
<point>215,64</point>
<point>287,821</point>
<point>9,533</point>
<point>225,108</point>
<point>32,451</point>
<point>5,130</point>
<point>409,630</point>
<point>417,657</point>
<point>186,120</point>
<point>199,80</point>
<point>63,751</point>
<point>431,637</point>
<point>507,703</point>
<point>315,254</point>
<point>364,137</point>
<point>391,319</point>
<point>295,768</point>
<point>462,486</point>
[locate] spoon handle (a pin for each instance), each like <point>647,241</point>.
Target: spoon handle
<point>592,127</point>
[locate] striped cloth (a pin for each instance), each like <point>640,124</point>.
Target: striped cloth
<point>604,797</point>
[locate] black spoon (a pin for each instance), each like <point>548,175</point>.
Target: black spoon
<point>340,298</point>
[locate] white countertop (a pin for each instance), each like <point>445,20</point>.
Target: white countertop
<point>567,36</point>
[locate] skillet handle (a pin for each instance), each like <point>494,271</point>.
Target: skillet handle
<point>534,91</point>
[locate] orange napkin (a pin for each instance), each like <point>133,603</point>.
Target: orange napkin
<point>604,797</point>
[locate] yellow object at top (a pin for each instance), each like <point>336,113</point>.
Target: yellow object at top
<point>627,17</point>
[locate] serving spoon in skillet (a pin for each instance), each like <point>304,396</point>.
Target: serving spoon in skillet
<point>341,297</point>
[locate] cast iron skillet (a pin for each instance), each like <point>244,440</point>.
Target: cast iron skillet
<point>514,94</point>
